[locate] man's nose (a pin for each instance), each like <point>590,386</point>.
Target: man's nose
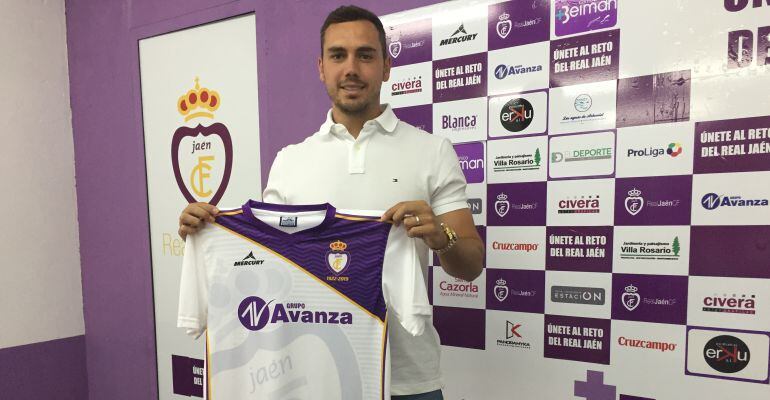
<point>351,66</point>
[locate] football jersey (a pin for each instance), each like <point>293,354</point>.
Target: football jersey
<point>294,301</point>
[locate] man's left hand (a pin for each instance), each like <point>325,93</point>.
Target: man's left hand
<point>419,221</point>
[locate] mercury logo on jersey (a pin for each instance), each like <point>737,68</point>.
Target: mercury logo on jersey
<point>248,260</point>
<point>255,314</point>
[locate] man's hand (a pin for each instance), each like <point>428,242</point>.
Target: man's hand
<point>194,216</point>
<point>420,222</point>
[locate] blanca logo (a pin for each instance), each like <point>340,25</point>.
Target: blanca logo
<point>580,206</point>
<point>248,260</point>
<point>407,86</point>
<point>630,298</point>
<point>516,115</point>
<point>673,150</point>
<point>711,201</point>
<point>500,290</point>
<point>458,123</point>
<point>726,354</point>
<point>502,71</point>
<point>503,25</point>
<point>255,313</point>
<point>465,37</point>
<point>502,206</point>
<point>733,304</point>
<point>634,201</point>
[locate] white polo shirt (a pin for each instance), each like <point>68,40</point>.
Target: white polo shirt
<point>390,161</point>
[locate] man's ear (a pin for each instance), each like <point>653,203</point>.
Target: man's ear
<point>386,70</point>
<point>321,69</point>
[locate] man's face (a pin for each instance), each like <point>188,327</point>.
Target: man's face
<point>352,66</point>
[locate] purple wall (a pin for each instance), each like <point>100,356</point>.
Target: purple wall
<point>109,155</point>
<point>46,370</point>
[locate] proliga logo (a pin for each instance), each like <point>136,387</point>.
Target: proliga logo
<point>674,149</point>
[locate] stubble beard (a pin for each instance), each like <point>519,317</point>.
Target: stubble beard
<point>356,107</point>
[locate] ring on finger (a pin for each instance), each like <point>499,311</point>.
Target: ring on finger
<point>416,219</point>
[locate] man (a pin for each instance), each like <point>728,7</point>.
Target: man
<point>363,157</point>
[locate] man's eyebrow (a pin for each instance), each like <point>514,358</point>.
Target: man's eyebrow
<point>365,49</point>
<point>336,49</point>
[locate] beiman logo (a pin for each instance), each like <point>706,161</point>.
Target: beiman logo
<point>712,201</point>
<point>407,86</point>
<point>248,260</point>
<point>727,354</point>
<point>459,36</point>
<point>573,16</point>
<point>516,115</point>
<point>256,313</point>
<point>734,304</point>
<point>503,71</point>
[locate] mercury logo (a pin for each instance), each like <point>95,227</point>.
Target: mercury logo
<point>456,37</point>
<point>248,260</point>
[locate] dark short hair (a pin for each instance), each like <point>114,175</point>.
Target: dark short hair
<point>350,14</point>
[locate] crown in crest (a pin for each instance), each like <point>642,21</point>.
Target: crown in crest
<point>500,282</point>
<point>631,289</point>
<point>338,246</point>
<point>502,197</point>
<point>198,102</point>
<point>634,192</point>
<point>503,16</point>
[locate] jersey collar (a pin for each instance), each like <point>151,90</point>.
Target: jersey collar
<point>249,215</point>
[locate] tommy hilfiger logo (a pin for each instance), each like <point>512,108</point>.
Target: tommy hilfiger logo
<point>248,260</point>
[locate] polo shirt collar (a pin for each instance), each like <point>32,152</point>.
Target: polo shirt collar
<point>387,120</point>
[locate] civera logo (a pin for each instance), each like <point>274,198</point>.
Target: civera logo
<point>712,201</point>
<point>255,314</point>
<point>734,304</point>
<point>407,86</point>
<point>727,354</point>
<point>580,205</point>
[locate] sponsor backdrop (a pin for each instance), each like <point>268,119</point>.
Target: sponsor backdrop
<point>201,129</point>
<point>617,155</point>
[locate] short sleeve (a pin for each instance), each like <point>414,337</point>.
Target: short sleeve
<point>272,192</point>
<point>193,289</point>
<point>448,181</point>
<point>402,283</point>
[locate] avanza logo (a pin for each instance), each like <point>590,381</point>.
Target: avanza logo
<point>502,71</point>
<point>712,201</point>
<point>582,205</point>
<point>457,38</point>
<point>409,85</point>
<point>255,313</point>
<point>732,304</point>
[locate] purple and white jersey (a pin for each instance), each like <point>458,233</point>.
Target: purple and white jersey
<point>294,301</point>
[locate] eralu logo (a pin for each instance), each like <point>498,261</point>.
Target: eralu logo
<point>256,313</point>
<point>248,260</point>
<point>712,201</point>
<point>503,71</point>
<point>727,354</point>
<point>582,205</point>
<point>577,295</point>
<point>460,35</point>
<point>672,150</point>
<point>407,86</point>
<point>516,115</point>
<point>733,304</point>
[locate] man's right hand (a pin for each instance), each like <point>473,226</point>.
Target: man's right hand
<point>194,216</point>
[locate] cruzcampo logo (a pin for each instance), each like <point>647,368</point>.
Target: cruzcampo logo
<point>202,156</point>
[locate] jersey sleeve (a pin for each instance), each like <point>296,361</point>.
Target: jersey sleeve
<point>448,186</point>
<point>403,285</point>
<point>193,289</point>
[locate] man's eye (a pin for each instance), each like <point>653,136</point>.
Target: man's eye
<point>366,57</point>
<point>336,56</point>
